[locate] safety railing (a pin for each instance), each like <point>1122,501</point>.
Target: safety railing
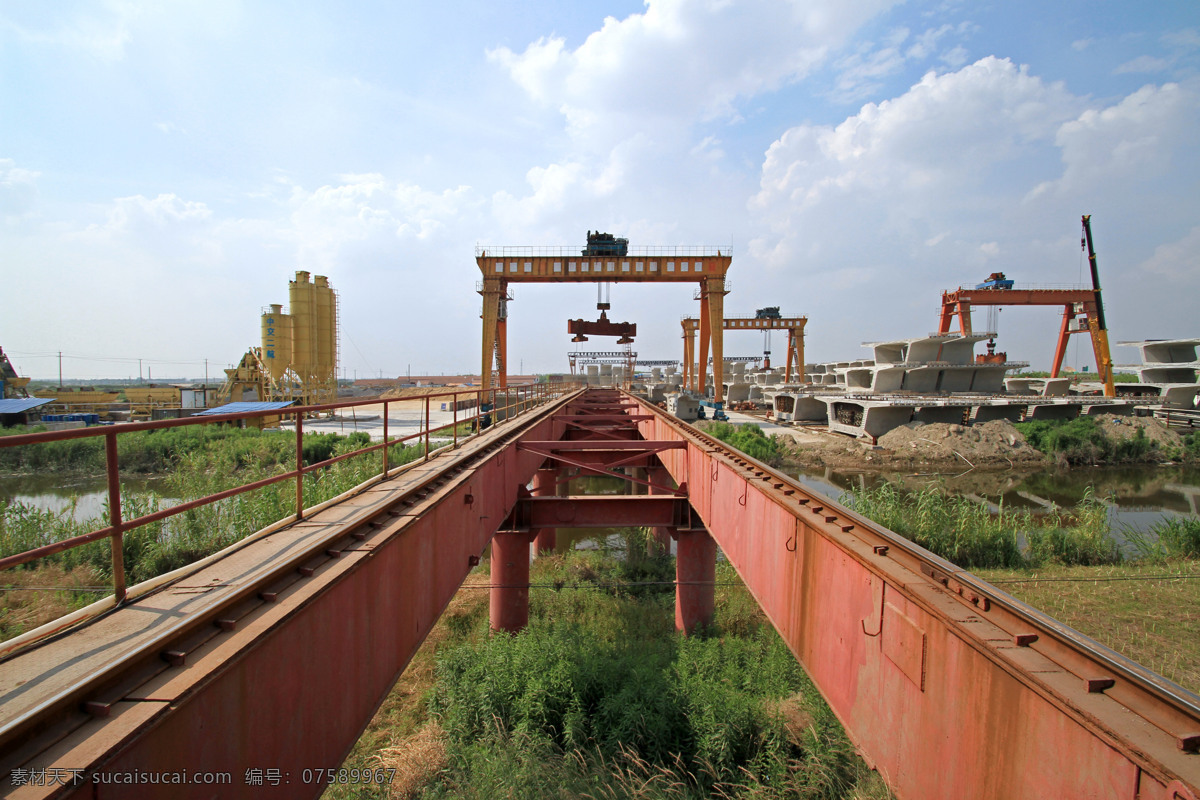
<point>495,404</point>
<point>483,251</point>
<point>1020,286</point>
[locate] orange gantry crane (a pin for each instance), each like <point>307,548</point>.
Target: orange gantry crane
<point>759,322</point>
<point>604,260</point>
<point>1083,311</point>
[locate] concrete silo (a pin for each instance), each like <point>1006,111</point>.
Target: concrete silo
<point>302,305</point>
<point>276,342</point>
<point>325,333</point>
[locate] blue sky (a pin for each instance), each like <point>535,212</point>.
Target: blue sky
<point>165,168</point>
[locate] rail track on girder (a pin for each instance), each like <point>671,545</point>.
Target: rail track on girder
<point>108,695</point>
<point>1023,705</point>
<point>277,655</point>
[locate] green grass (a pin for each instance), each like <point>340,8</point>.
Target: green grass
<point>968,534</point>
<point>1083,441</point>
<point>599,697</point>
<point>1143,610</point>
<point>748,438</point>
<point>203,464</point>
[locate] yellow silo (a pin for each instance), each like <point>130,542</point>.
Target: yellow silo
<point>276,341</point>
<point>325,358</point>
<point>303,313</point>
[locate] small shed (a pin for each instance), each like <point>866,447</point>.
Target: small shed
<point>16,410</point>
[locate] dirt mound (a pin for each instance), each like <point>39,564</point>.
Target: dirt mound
<point>1117,428</point>
<point>990,443</point>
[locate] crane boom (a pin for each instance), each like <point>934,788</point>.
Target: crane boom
<point>1098,325</point>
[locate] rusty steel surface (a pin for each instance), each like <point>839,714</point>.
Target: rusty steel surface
<point>948,686</point>
<point>601,511</point>
<point>274,658</point>
<point>271,659</point>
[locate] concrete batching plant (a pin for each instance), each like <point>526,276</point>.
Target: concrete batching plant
<point>299,354</point>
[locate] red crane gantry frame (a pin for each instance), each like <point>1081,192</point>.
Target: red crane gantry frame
<point>795,347</point>
<point>1079,303</point>
<point>501,266</point>
<point>1076,304</point>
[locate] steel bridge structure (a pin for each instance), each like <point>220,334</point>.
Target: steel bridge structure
<point>276,652</point>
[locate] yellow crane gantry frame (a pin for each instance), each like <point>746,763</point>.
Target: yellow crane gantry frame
<point>501,266</point>
<point>795,346</point>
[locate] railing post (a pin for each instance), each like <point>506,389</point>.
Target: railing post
<point>299,466</point>
<point>426,427</point>
<point>117,539</point>
<point>385,439</point>
<point>454,406</point>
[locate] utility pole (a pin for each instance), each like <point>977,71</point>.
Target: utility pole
<point>206,373</point>
<point>139,370</point>
<point>60,369</point>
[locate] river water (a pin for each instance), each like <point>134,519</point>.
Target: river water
<point>82,497</point>
<point>1137,497</point>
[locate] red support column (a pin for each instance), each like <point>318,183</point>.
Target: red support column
<point>660,477</point>
<point>695,574</point>
<point>509,598</point>
<point>1064,333</point>
<point>545,539</point>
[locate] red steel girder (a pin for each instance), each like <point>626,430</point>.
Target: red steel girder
<point>599,461</point>
<point>599,511</point>
<point>576,419</point>
<point>601,426</point>
<point>285,672</point>
<point>947,686</point>
<point>601,327</point>
<point>597,457</point>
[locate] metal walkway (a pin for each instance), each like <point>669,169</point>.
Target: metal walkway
<point>275,657</point>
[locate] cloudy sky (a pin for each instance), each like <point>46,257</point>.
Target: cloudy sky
<point>166,167</point>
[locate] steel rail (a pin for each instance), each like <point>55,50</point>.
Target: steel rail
<point>526,395</point>
<point>1164,688</point>
<point>935,587</point>
<point>35,727</point>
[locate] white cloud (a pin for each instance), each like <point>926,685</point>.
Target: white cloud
<point>1140,137</point>
<point>984,168</point>
<point>18,189</point>
<point>103,37</point>
<point>682,59</point>
<point>1186,39</point>
<point>1143,64</point>
<point>1177,261</point>
<point>909,157</point>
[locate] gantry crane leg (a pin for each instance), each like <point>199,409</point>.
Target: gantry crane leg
<point>714,290</point>
<point>701,377</point>
<point>491,291</point>
<point>1064,334</point>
